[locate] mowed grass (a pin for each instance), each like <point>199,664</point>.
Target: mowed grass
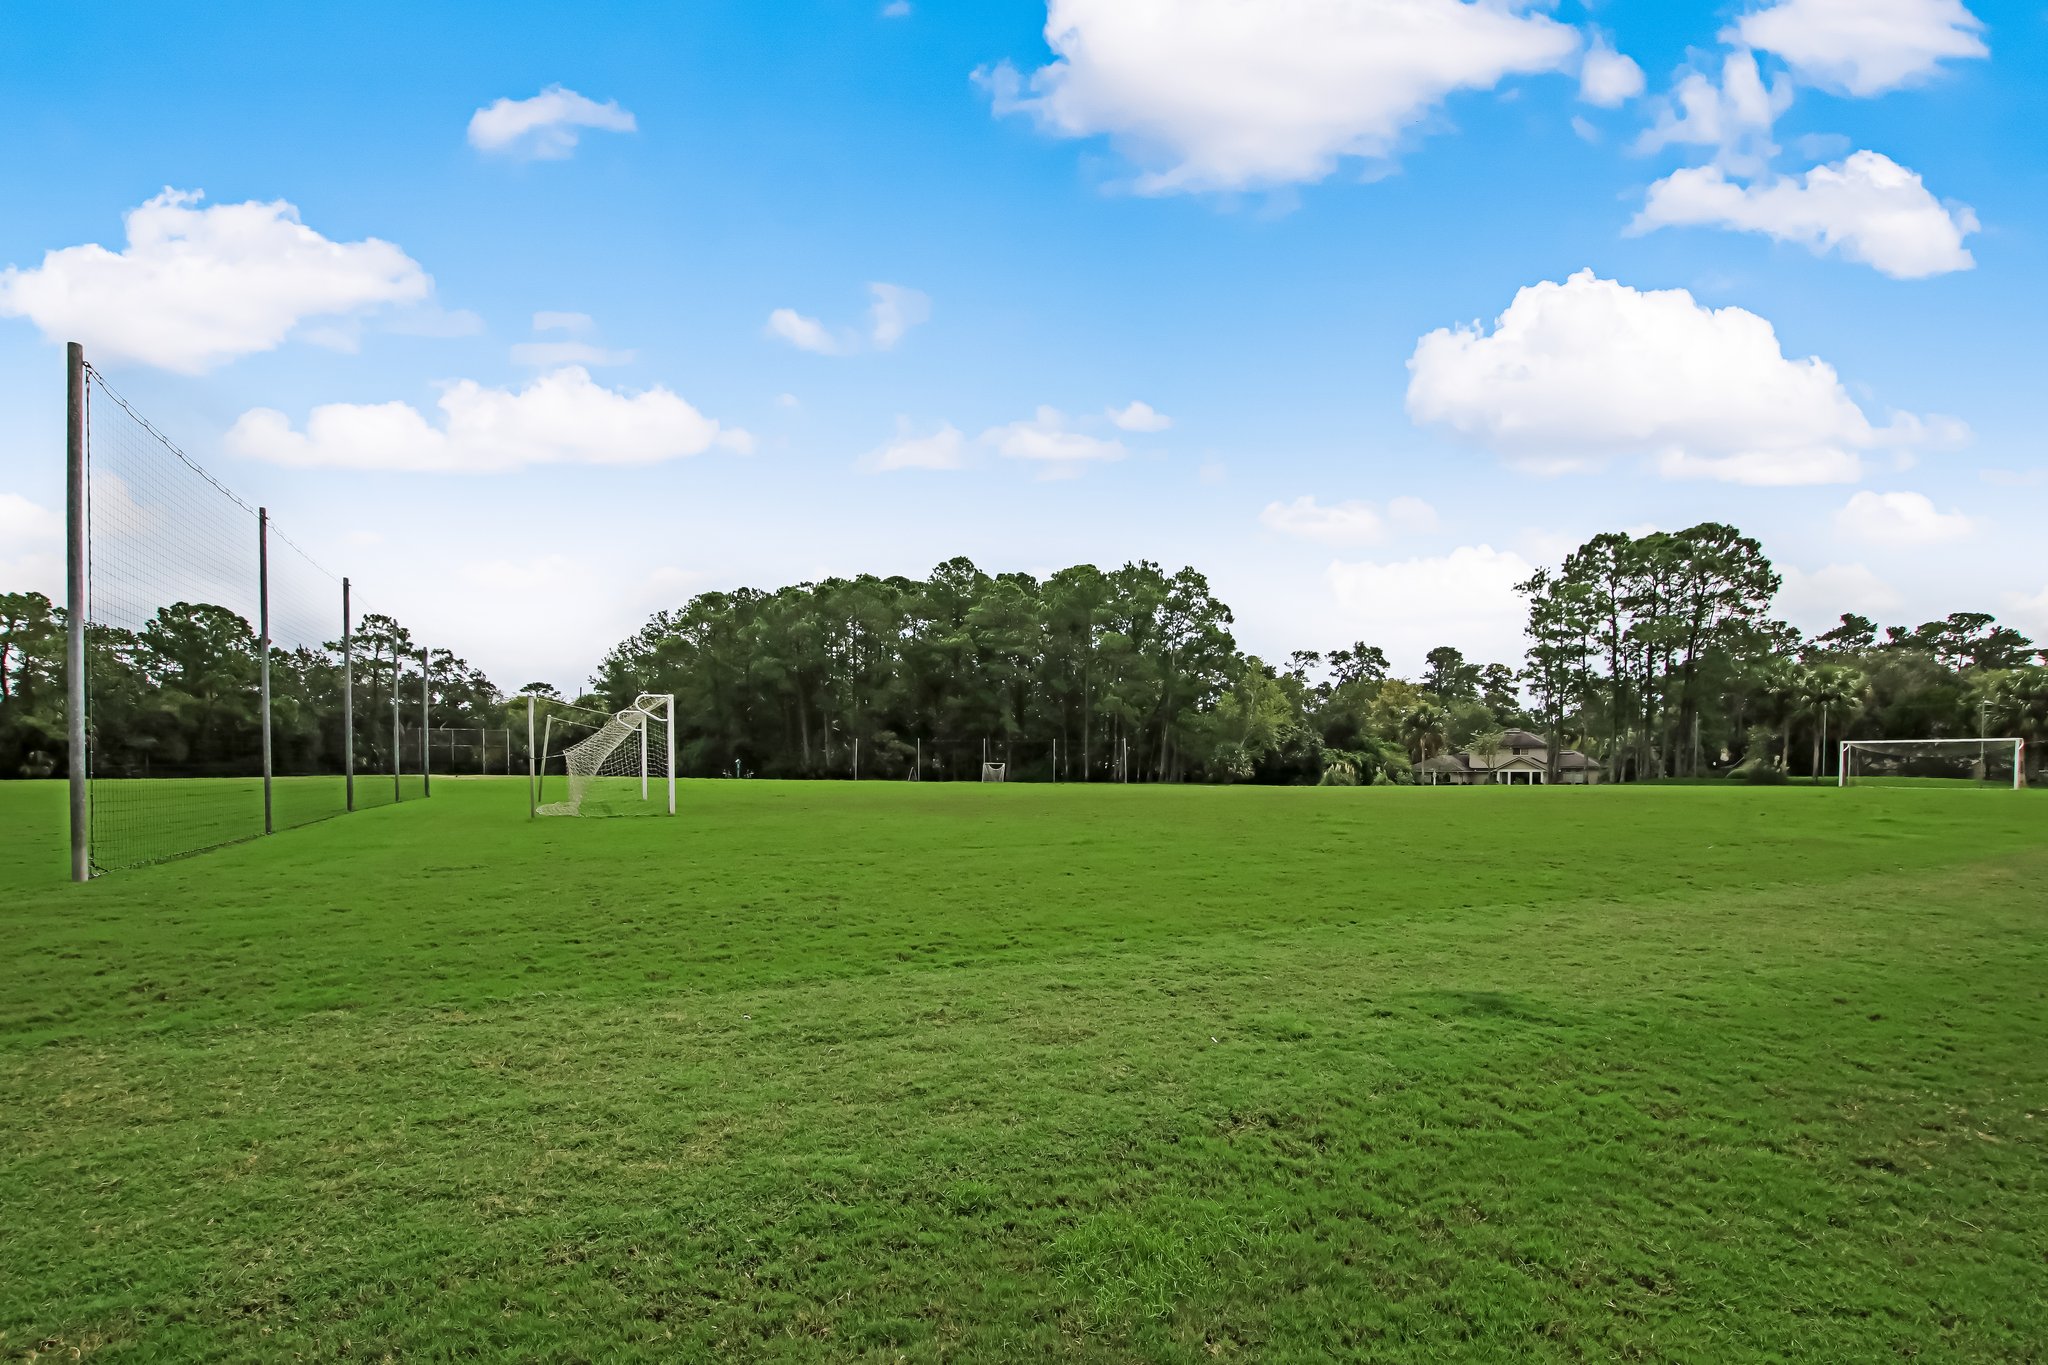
<point>836,1072</point>
<point>134,822</point>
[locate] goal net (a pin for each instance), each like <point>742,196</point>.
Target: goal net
<point>1933,762</point>
<point>625,766</point>
<point>993,772</point>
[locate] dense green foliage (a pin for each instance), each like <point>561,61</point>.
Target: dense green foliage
<point>1134,660</point>
<point>1657,654</point>
<point>829,1072</point>
<point>180,697</point>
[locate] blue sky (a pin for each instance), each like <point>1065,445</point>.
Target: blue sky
<point>1245,217</point>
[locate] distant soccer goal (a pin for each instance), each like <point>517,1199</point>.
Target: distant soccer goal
<point>993,772</point>
<point>1933,763</point>
<point>625,763</point>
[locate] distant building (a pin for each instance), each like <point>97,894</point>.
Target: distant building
<point>1522,760</point>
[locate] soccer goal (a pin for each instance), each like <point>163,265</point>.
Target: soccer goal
<point>1933,763</point>
<point>993,772</point>
<point>626,765</point>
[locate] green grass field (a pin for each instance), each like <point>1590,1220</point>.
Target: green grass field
<point>835,1072</point>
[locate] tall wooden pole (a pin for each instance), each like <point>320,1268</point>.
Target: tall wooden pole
<point>76,608</point>
<point>263,676</point>
<point>348,697</point>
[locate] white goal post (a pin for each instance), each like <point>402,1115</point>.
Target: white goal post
<point>993,772</point>
<point>626,766</point>
<point>1997,761</point>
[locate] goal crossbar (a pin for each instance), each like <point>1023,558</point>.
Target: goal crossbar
<point>1984,748</point>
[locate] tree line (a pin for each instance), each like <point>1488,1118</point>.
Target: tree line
<point>1658,655</point>
<point>181,696</point>
<point>1082,675</point>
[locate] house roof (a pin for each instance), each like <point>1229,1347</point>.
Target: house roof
<point>1522,739</point>
<point>1568,760</point>
<point>1445,763</point>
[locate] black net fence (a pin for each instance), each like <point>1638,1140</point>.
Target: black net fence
<point>308,684</point>
<point>470,751</point>
<point>185,582</point>
<point>883,756</point>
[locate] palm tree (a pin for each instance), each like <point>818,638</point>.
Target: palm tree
<point>1829,695</point>
<point>1782,683</point>
<point>1422,727</point>
<point>2018,702</point>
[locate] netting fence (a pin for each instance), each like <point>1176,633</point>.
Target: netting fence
<point>885,756</point>
<point>465,750</point>
<point>221,689</point>
<point>1023,758</point>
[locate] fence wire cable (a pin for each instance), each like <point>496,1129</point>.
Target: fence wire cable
<point>174,659</point>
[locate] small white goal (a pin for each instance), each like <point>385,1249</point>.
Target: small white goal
<point>625,766</point>
<point>1999,762</point>
<point>993,772</point>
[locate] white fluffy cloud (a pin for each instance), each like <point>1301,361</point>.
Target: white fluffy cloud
<point>1814,600</point>
<point>545,127</point>
<point>806,334</point>
<point>1577,373</point>
<point>31,538</point>
<point>197,287</point>
<point>1900,519</point>
<point>941,449</point>
<point>1868,207</point>
<point>574,323</point>
<point>1466,598</point>
<point>1352,522</point>
<point>1047,437</point>
<point>1229,95</point>
<point>1608,78</point>
<point>24,524</point>
<point>559,418</point>
<point>588,601</point>
<point>1863,47</point>
<point>2031,610</point>
<point>1411,514</point>
<point>895,310</point>
<point>1734,117</point>
<point>1139,416</point>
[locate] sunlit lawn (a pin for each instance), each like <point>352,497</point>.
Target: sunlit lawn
<point>918,1071</point>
